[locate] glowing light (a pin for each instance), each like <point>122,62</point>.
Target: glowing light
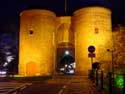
<point>119,81</point>
<point>9,58</point>
<point>62,69</point>
<point>66,65</point>
<point>8,53</point>
<point>5,64</point>
<point>73,65</point>
<point>71,71</point>
<point>3,72</point>
<point>67,52</point>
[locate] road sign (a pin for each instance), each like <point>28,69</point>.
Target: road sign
<point>91,49</point>
<point>91,55</point>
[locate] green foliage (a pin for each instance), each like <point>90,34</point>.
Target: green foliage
<point>119,80</point>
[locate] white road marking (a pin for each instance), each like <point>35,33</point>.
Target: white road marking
<point>64,86</point>
<point>14,93</point>
<point>62,89</point>
<point>22,87</point>
<point>12,87</point>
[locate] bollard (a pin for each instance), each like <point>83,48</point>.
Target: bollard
<point>92,76</point>
<point>124,84</point>
<point>96,77</point>
<point>102,80</point>
<point>110,83</point>
<point>89,74</point>
<point>113,81</point>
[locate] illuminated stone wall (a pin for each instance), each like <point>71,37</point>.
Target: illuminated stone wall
<point>42,34</point>
<point>92,26</point>
<point>64,32</point>
<point>119,47</point>
<point>36,50</point>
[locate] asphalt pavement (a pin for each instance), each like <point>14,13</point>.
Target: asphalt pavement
<point>11,87</point>
<point>62,85</point>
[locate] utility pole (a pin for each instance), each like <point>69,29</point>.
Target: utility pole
<point>111,51</point>
<point>112,66</point>
<point>65,6</point>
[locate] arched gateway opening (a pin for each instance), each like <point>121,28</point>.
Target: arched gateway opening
<point>65,59</point>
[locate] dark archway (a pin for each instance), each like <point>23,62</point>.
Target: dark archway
<point>65,61</point>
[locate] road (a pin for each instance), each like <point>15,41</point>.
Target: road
<point>61,85</point>
<point>9,87</point>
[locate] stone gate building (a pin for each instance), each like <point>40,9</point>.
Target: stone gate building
<point>44,37</point>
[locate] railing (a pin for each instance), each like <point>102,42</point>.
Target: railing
<point>112,83</point>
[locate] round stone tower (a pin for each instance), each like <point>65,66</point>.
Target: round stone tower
<point>92,26</point>
<point>36,48</point>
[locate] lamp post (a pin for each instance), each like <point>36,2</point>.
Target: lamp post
<point>65,6</point>
<point>112,65</point>
<point>112,59</point>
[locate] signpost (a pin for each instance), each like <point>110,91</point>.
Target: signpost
<point>91,49</point>
<point>91,55</point>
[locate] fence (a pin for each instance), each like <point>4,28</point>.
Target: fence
<point>111,83</point>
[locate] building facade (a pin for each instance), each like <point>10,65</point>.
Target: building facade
<point>44,37</point>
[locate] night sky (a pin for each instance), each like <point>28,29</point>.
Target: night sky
<point>10,9</point>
